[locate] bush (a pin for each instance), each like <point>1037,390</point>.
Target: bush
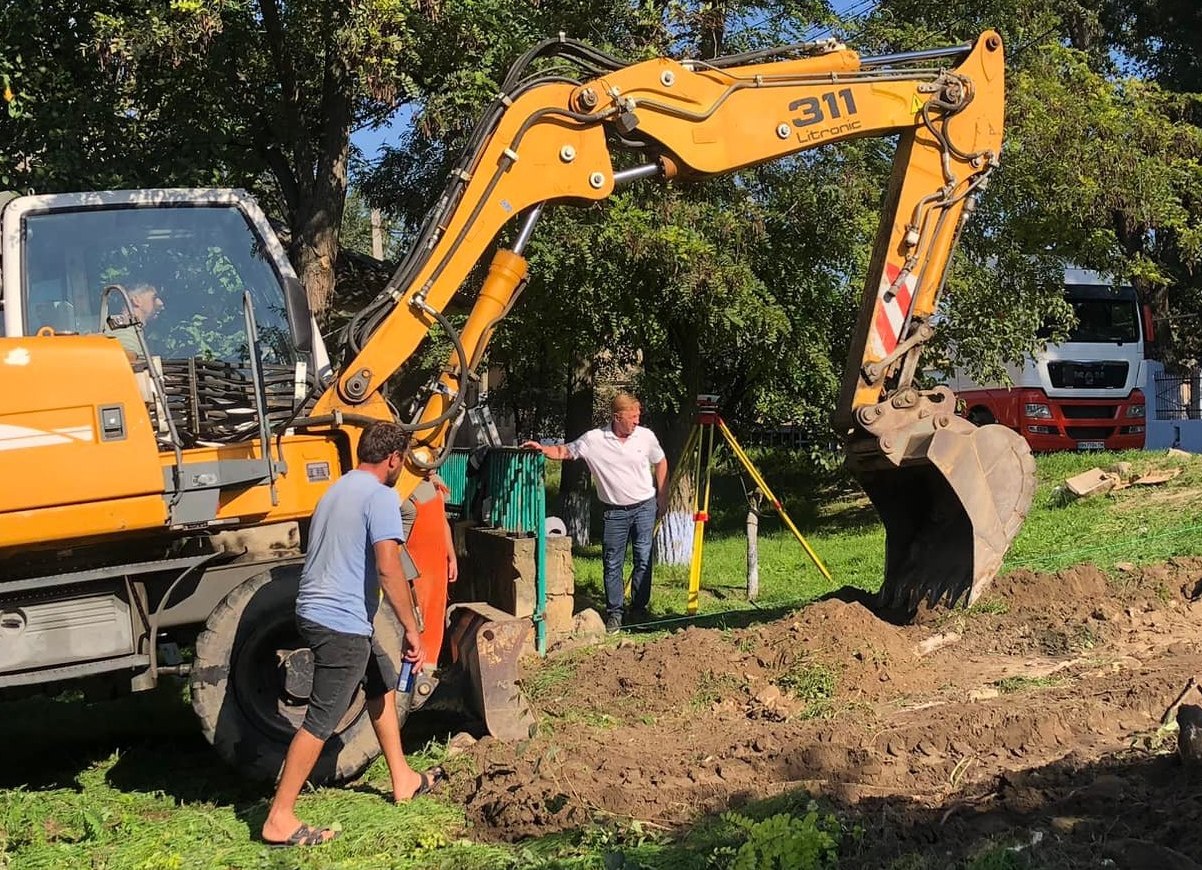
<point>783,841</point>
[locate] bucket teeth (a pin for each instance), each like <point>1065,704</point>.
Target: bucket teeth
<point>952,498</point>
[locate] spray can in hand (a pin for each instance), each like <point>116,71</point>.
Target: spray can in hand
<point>404,683</point>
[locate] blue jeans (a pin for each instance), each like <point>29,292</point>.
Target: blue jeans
<point>634,523</point>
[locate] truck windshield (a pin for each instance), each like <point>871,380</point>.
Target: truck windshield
<point>186,267</point>
<point>1104,320</point>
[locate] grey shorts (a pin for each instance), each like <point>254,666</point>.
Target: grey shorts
<point>341,664</point>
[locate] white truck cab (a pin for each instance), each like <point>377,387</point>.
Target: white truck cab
<point>1083,393</point>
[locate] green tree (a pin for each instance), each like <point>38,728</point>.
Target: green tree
<point>259,94</point>
<point>1100,169</point>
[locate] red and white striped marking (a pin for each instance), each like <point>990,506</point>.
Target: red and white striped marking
<point>891,313</point>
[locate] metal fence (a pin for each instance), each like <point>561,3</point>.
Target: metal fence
<point>1179,397</point>
<point>516,490</point>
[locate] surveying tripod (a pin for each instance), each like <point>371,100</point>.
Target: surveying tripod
<point>699,455</point>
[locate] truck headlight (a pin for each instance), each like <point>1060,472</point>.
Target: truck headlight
<point>1037,411</point>
<point>1135,410</point>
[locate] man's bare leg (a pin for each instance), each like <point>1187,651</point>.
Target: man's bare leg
<point>281,820</point>
<point>405,780</point>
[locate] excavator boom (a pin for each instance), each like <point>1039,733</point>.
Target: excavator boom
<point>952,497</point>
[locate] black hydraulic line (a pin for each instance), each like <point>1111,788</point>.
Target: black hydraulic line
<point>746,57</point>
<point>464,368</point>
<point>513,87</point>
<point>914,56</point>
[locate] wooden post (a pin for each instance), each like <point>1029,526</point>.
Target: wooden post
<point>377,234</point>
<point>753,545</point>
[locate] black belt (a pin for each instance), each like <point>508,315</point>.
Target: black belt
<point>625,507</point>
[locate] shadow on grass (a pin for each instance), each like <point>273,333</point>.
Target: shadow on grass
<point>147,743</point>
<point>743,618</point>
<point>52,740</point>
<point>745,615</point>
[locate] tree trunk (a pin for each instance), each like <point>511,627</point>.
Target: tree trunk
<point>318,216</point>
<point>575,498</point>
<point>315,252</point>
<point>674,537</point>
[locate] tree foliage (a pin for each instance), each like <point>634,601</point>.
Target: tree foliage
<point>745,286</point>
<point>259,94</point>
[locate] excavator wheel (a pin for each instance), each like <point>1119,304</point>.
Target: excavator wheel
<point>252,676</point>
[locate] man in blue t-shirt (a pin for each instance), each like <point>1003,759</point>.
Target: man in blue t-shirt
<point>354,552</point>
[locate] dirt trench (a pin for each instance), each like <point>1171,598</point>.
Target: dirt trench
<point>1035,714</point>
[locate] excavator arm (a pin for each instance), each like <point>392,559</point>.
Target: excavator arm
<point>554,140</point>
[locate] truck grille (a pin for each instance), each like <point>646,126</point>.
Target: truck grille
<point>1087,375</point>
<point>1089,433</point>
<point>1089,412</point>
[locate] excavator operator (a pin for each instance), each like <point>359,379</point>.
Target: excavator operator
<point>145,306</point>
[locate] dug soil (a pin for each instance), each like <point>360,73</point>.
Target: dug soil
<point>1032,720</point>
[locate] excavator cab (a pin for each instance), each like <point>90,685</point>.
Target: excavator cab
<point>169,349</point>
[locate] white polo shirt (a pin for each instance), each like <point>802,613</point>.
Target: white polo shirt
<point>621,469</point>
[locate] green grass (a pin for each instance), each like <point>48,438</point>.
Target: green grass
<point>813,683</point>
<point>1139,525</point>
<point>1010,685</point>
<point>713,687</point>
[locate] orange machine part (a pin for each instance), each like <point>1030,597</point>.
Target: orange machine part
<point>62,479</point>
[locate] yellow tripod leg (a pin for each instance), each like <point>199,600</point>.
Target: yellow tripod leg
<point>776,503</point>
<point>701,513</point>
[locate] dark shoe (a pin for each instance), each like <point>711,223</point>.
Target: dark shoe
<point>640,614</point>
<point>613,624</point>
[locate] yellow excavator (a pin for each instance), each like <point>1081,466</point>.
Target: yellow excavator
<point>169,415</point>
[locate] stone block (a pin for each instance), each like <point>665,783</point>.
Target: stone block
<point>500,569</point>
<point>559,614</point>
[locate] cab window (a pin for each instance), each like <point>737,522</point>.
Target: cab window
<point>200,259</point>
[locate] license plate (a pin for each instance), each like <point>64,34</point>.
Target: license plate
<point>1091,445</point>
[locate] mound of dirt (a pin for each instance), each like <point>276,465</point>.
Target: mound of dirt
<point>960,718</point>
<point>873,658</point>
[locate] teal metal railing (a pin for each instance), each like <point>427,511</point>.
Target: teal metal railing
<point>516,489</point>
<point>454,474</point>
<point>518,505</point>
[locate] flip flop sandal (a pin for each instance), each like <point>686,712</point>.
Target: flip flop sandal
<point>430,781</point>
<point>305,836</point>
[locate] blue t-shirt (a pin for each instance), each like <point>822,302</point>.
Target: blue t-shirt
<point>339,587</point>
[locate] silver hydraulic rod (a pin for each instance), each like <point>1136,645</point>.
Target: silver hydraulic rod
<point>647,170</point>
<point>912,56</point>
<point>527,230</point>
<point>623,176</point>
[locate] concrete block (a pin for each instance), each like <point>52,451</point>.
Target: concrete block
<point>500,570</point>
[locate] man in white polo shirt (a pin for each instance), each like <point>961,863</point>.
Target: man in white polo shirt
<point>621,457</point>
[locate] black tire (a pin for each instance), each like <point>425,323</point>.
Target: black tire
<point>238,686</point>
<point>980,416</point>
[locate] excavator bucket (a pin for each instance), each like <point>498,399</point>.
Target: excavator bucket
<point>482,678</point>
<point>951,495</point>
